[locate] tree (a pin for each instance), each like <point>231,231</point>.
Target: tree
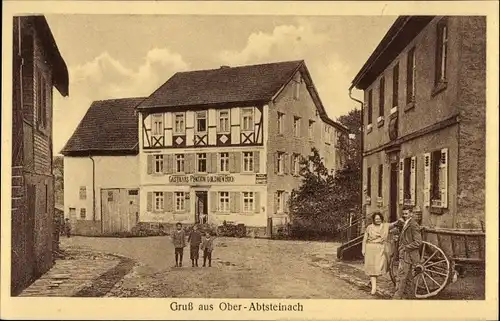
<point>324,201</point>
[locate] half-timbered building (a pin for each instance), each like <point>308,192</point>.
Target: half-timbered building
<point>225,144</point>
<point>37,68</point>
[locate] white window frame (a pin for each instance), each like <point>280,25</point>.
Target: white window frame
<point>159,201</point>
<point>157,128</point>
<point>226,128</point>
<point>443,30</point>
<point>281,162</point>
<point>179,163</point>
<point>179,201</point>
<point>280,197</point>
<point>223,162</point>
<point>250,198</point>
<point>179,126</point>
<point>200,157</point>
<point>296,126</point>
<point>248,165</point>
<point>158,164</point>
<point>200,115</point>
<point>281,125</point>
<point>223,202</point>
<point>247,113</point>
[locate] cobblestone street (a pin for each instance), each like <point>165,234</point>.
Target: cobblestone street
<point>241,268</point>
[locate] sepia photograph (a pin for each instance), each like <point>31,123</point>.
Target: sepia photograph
<point>267,157</point>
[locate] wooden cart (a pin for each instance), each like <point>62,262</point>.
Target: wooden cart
<point>437,269</point>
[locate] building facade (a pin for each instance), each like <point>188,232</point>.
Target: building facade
<point>424,121</point>
<point>37,68</point>
<point>101,170</point>
<point>225,144</point>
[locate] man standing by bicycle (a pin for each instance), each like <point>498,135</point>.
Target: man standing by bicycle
<point>409,241</point>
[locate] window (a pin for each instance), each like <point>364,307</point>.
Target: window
<point>369,182</point>
<point>83,192</point>
<point>280,201</point>
<point>411,76</point>
<point>158,164</point>
<point>311,129</point>
<point>223,201</point>
<point>158,198</point>
<point>248,202</point>
<point>296,126</point>
<point>179,124</point>
<point>380,179</point>
<point>441,51</point>
<point>296,87</point>
<point>201,162</point>
<point>41,88</point>
<point>179,199</point>
<point>157,122</point>
<point>395,85</point>
<point>224,121</point>
<point>295,164</point>
<point>133,192</point>
<point>435,162</point>
<point>280,163</point>
<point>281,123</point>
<point>224,162</point>
<point>406,181</point>
<point>248,161</point>
<point>370,106</point>
<point>83,213</point>
<point>381,97</point>
<point>201,121</point>
<point>247,119</point>
<point>179,163</point>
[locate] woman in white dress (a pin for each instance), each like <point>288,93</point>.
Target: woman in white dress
<point>375,248</point>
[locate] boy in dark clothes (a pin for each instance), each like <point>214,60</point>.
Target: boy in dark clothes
<point>194,240</point>
<point>179,240</point>
<point>207,245</point>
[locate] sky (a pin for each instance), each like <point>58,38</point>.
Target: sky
<point>117,56</point>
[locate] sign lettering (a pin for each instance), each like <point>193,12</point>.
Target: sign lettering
<point>187,179</point>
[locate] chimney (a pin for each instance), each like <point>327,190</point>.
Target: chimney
<point>225,67</point>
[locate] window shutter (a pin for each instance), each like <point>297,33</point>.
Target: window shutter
<point>232,163</point>
<point>214,162</point>
<point>167,163</point>
<point>256,202</point>
<point>169,201</point>
<point>237,162</point>
<point>232,202</point>
<point>275,202</point>
<point>187,203</point>
<point>150,202</point>
<point>286,165</point>
<point>256,162</point>
<point>210,165</point>
<point>237,202</point>
<point>401,181</point>
<point>427,179</point>
<point>443,177</point>
<point>213,202</point>
<point>150,164</point>
<point>189,164</point>
<point>413,169</point>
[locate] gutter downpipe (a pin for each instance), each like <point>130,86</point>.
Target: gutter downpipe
<point>93,189</point>
<point>362,144</point>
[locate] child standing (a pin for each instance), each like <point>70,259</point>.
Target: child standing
<point>179,240</point>
<point>194,240</point>
<point>207,246</point>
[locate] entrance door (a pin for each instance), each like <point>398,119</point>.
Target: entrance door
<point>110,211</point>
<point>393,199</point>
<point>201,208</point>
<point>133,208</point>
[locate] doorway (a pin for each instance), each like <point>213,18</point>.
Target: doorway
<point>393,198</point>
<point>201,208</point>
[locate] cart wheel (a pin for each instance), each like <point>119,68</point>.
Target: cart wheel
<point>393,267</point>
<point>432,273</point>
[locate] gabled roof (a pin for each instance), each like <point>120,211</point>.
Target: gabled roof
<point>108,127</point>
<point>399,35</point>
<point>231,86</point>
<point>60,70</point>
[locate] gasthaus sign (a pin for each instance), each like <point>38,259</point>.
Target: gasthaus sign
<point>197,179</point>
